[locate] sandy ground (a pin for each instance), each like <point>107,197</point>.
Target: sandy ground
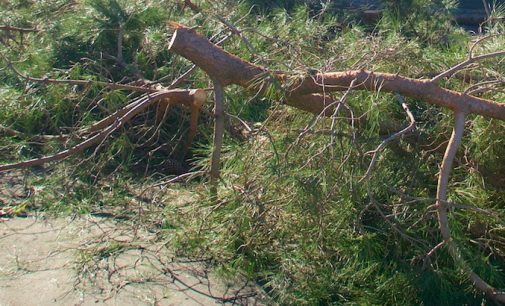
<point>44,262</point>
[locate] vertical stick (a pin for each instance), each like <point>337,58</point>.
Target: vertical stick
<point>445,171</point>
<point>193,127</point>
<point>218,134</point>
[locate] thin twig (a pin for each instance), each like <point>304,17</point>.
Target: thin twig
<point>428,256</point>
<point>18,29</point>
<point>470,60</point>
<point>481,86</point>
<point>46,80</point>
<point>395,136</point>
<point>186,176</point>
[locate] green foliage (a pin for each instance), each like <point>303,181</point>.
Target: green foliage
<point>293,213</point>
<point>427,20</point>
<point>265,6</point>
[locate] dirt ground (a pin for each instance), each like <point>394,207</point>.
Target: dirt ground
<point>54,262</point>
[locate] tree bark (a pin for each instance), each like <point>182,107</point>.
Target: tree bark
<point>306,93</point>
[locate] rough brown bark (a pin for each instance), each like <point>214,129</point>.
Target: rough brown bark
<point>306,93</point>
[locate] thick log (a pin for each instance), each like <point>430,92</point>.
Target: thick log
<point>306,93</point>
<point>221,65</point>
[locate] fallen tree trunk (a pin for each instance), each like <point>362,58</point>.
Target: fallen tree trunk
<point>306,93</point>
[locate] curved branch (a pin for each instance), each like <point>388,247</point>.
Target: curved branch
<point>186,97</point>
<point>472,59</point>
<point>118,121</point>
<point>442,210</point>
<point>445,171</point>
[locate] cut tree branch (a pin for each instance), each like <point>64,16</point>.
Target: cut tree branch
<point>188,97</point>
<point>309,93</point>
<point>442,210</point>
<point>306,93</point>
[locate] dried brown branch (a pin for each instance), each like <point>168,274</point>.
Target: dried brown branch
<point>117,122</point>
<point>428,256</point>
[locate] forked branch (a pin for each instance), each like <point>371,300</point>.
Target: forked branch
<point>308,93</point>
<point>470,60</point>
<point>114,122</point>
<point>466,63</point>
